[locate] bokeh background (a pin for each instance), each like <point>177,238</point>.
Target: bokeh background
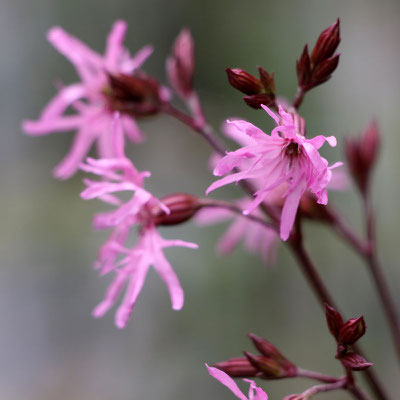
<point>50,347</point>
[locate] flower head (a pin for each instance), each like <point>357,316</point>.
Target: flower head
<point>286,157</point>
<point>92,110</point>
<point>142,210</point>
<point>255,393</point>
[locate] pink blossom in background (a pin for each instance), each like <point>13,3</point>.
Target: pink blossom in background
<point>92,116</point>
<point>130,265</point>
<point>255,393</point>
<point>284,157</point>
<point>256,237</point>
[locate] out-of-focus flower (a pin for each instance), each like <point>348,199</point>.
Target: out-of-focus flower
<point>256,237</point>
<point>255,392</point>
<point>142,210</point>
<point>88,98</point>
<point>284,157</point>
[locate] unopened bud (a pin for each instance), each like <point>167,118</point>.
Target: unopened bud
<point>361,155</point>
<point>243,81</point>
<point>268,350</point>
<point>181,64</point>
<point>352,330</point>
<point>324,70</point>
<point>334,320</point>
<point>327,43</point>
<point>303,68</point>
<point>255,100</point>
<point>238,368</point>
<point>271,368</point>
<point>136,95</point>
<point>355,362</point>
<point>267,80</point>
<point>182,207</point>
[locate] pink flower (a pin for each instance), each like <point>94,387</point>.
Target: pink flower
<point>120,175</point>
<point>284,157</point>
<point>257,238</point>
<point>92,115</point>
<point>255,393</point>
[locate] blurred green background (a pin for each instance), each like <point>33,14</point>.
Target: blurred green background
<point>51,348</point>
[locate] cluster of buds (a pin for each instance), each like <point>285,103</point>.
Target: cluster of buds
<point>257,91</point>
<point>136,95</point>
<point>361,154</point>
<point>318,68</point>
<point>346,334</point>
<point>271,364</point>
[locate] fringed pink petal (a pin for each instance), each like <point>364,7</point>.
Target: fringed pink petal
<point>226,380</point>
<point>290,209</point>
<point>114,46</point>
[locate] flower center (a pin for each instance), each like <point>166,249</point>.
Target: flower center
<point>292,149</point>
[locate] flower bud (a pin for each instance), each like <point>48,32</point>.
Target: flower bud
<point>243,81</point>
<point>318,68</point>
<point>334,320</point>
<point>327,43</point>
<point>271,368</point>
<point>268,350</point>
<point>267,80</point>
<point>361,155</point>
<point>352,330</point>
<point>136,95</point>
<point>355,362</point>
<point>324,70</point>
<point>182,207</point>
<point>255,100</point>
<point>303,68</point>
<point>181,64</point>
<point>238,368</point>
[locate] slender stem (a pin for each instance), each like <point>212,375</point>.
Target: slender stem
<point>304,373</point>
<point>378,275</point>
<point>299,98</point>
<point>236,209</point>
<point>342,229</point>
<point>297,246</point>
<point>327,387</point>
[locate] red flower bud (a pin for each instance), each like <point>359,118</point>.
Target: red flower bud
<point>255,100</point>
<point>355,362</point>
<point>324,70</point>
<point>352,330</point>
<point>334,320</point>
<point>271,368</point>
<point>303,68</point>
<point>182,207</point>
<point>243,81</point>
<point>181,64</point>
<point>237,368</point>
<point>136,95</point>
<point>267,80</point>
<point>268,350</point>
<point>317,69</point>
<point>327,43</point>
<point>361,155</point>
